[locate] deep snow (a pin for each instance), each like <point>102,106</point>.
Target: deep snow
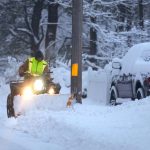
<point>87,126</point>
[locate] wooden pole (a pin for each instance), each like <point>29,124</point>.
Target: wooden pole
<point>76,56</point>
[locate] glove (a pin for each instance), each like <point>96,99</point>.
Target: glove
<point>21,71</point>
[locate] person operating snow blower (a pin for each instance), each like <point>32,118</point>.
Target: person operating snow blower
<point>34,66</point>
<point>37,80</point>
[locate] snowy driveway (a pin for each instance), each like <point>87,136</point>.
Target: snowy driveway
<point>8,145</point>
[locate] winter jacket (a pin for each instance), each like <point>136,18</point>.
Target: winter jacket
<point>33,67</point>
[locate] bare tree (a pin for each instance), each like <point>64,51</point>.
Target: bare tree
<point>93,39</point>
<point>35,25</point>
<point>52,21</point>
<point>141,15</point>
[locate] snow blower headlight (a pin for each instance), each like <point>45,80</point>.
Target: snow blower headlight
<point>51,91</point>
<point>38,85</point>
<point>27,91</point>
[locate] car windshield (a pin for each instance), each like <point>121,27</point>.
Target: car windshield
<point>146,55</point>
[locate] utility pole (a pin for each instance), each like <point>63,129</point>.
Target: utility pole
<point>76,54</point>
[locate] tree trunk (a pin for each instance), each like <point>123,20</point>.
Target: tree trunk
<point>121,17</point>
<point>129,15</point>
<point>141,16</point>
<point>37,10</point>
<point>52,20</point>
<point>93,40</point>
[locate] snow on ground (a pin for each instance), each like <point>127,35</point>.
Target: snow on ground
<point>87,126</point>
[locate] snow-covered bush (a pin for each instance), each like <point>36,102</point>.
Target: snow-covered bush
<point>11,69</point>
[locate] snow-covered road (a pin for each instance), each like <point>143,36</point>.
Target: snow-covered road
<point>11,139</point>
<point>8,145</point>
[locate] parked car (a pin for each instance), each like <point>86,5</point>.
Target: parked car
<point>130,76</point>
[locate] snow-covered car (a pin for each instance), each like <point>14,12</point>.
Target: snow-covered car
<point>130,76</point>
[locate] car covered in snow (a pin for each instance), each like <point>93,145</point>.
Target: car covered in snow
<point>130,76</point>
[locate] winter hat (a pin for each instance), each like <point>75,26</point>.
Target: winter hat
<point>39,55</point>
